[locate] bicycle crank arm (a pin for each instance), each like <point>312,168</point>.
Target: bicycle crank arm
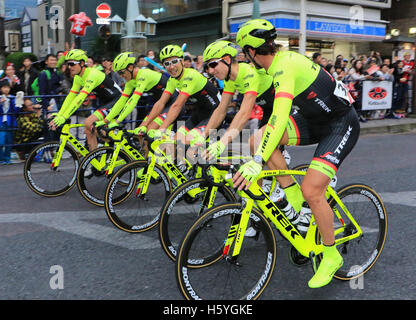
<point>312,257</point>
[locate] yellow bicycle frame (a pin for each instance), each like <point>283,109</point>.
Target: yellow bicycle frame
<point>306,246</point>
<point>67,137</point>
<point>119,143</point>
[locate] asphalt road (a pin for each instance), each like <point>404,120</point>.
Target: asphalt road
<point>65,248</point>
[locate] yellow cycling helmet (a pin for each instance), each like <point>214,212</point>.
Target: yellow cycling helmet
<point>171,51</point>
<point>254,33</point>
<point>76,55</point>
<point>123,60</point>
<point>218,49</point>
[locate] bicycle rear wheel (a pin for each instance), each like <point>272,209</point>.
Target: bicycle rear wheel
<point>222,278</point>
<point>367,208</point>
<point>181,210</point>
<point>137,212</point>
<point>43,177</point>
<point>92,182</point>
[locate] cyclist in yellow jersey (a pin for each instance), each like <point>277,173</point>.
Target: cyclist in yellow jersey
<point>193,88</point>
<point>256,86</point>
<point>85,81</point>
<point>138,81</point>
<point>325,116</point>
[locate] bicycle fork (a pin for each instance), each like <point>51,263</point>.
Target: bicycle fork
<point>65,138</point>
<point>237,231</point>
<point>144,178</point>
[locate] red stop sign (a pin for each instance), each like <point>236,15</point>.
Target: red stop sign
<point>103,11</point>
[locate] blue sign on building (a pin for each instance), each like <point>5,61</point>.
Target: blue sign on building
<point>325,28</point>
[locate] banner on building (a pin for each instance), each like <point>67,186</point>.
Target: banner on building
<point>377,95</point>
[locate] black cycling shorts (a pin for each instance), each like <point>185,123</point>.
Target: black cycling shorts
<point>336,138</point>
<point>104,110</point>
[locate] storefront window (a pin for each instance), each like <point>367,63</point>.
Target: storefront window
<point>167,8</point>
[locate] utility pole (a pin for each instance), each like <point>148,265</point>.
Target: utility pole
<point>302,29</point>
<point>2,41</point>
<point>256,10</point>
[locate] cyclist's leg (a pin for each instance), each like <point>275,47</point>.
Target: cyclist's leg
<point>170,149</point>
<point>278,162</point>
<point>180,138</point>
<point>98,115</point>
<point>88,130</point>
<point>334,145</point>
<point>313,189</point>
<point>332,149</point>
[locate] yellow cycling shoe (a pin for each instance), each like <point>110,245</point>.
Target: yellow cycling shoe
<point>330,264</point>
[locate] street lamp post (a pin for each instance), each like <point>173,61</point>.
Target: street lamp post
<point>140,24</point>
<point>117,24</point>
<point>134,29</point>
<point>302,29</point>
<point>151,27</point>
<point>256,10</point>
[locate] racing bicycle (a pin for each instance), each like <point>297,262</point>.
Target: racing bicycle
<point>216,260</point>
<point>96,169</point>
<point>51,168</point>
<point>188,202</point>
<point>147,184</point>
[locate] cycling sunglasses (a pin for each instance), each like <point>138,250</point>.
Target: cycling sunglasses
<point>213,64</point>
<point>73,63</point>
<point>171,62</point>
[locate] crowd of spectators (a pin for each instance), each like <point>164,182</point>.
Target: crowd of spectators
<point>24,123</point>
<point>374,68</point>
<point>45,85</point>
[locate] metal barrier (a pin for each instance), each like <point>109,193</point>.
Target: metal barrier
<point>376,95</point>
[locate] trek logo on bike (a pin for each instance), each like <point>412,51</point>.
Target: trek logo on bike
<point>175,171</point>
<point>283,220</point>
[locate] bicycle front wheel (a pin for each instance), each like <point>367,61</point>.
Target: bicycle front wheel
<point>186,203</point>
<point>367,209</point>
<point>225,278</point>
<point>139,211</point>
<point>92,179</point>
<point>44,177</point>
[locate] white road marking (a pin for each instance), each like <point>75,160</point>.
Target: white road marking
<point>74,222</point>
<point>406,198</point>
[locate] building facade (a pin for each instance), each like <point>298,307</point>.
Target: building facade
<point>332,27</point>
<point>12,39</point>
<point>45,28</point>
<point>194,22</point>
<point>30,31</point>
<point>53,24</point>
<point>401,32</point>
